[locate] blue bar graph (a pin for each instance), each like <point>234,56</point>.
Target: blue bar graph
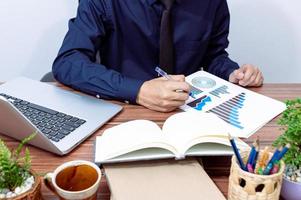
<point>199,103</point>
<point>195,91</point>
<point>221,90</point>
<point>229,110</point>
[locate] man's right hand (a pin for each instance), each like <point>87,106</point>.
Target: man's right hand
<point>164,95</point>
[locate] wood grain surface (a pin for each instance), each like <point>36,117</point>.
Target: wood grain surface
<point>217,168</point>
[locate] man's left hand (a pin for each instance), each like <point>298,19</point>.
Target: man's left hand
<point>247,75</point>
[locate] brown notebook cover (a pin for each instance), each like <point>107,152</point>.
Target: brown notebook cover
<point>160,180</point>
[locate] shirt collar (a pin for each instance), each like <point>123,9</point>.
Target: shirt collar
<point>151,2</point>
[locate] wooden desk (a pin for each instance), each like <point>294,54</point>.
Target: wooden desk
<point>218,169</point>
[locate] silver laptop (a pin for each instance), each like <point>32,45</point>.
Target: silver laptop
<point>62,119</point>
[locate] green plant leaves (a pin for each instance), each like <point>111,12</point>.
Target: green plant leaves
<point>291,125</point>
<point>22,143</point>
<point>14,169</point>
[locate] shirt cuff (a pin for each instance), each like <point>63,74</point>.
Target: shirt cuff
<point>129,89</point>
<point>231,67</point>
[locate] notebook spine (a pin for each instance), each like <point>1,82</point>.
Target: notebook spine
<point>180,157</point>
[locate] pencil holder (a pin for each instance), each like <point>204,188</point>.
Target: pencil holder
<point>248,186</point>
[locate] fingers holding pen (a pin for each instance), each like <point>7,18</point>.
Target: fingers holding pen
<point>175,91</point>
<point>164,95</point>
<point>178,86</point>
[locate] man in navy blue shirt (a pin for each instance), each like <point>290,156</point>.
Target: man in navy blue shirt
<point>125,35</point>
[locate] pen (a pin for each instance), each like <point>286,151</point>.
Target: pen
<point>255,157</point>
<point>274,157</point>
<point>270,164</point>
<point>165,75</point>
<point>263,159</point>
<point>283,152</point>
<point>162,73</point>
<point>260,171</point>
<point>250,168</point>
<point>251,155</point>
<point>268,168</point>
<point>242,165</point>
<point>275,168</point>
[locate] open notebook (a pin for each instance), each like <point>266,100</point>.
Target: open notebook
<point>183,134</point>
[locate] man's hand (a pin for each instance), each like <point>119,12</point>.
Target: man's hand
<point>247,75</point>
<point>164,95</point>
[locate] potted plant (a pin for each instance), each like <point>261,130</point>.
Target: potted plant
<point>16,179</point>
<point>291,125</point>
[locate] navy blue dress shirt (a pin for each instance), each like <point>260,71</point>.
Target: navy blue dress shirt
<point>124,34</point>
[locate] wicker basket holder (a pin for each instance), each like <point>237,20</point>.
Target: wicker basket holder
<point>34,193</point>
<point>248,186</point>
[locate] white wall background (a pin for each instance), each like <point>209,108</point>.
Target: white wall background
<point>266,33</point>
<point>31,33</point>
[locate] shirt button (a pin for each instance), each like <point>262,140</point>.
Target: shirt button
<point>125,101</point>
<point>98,96</point>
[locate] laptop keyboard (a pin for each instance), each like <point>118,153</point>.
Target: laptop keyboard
<point>55,125</point>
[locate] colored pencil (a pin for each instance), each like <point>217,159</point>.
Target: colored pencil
<point>236,152</point>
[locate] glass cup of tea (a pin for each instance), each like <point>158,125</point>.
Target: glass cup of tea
<point>77,179</point>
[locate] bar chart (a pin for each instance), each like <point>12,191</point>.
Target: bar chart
<point>219,91</point>
<point>200,103</point>
<point>195,91</point>
<point>229,110</point>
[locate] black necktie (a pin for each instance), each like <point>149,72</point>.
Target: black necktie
<point>166,39</point>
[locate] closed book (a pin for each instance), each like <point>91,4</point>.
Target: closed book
<point>160,180</point>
